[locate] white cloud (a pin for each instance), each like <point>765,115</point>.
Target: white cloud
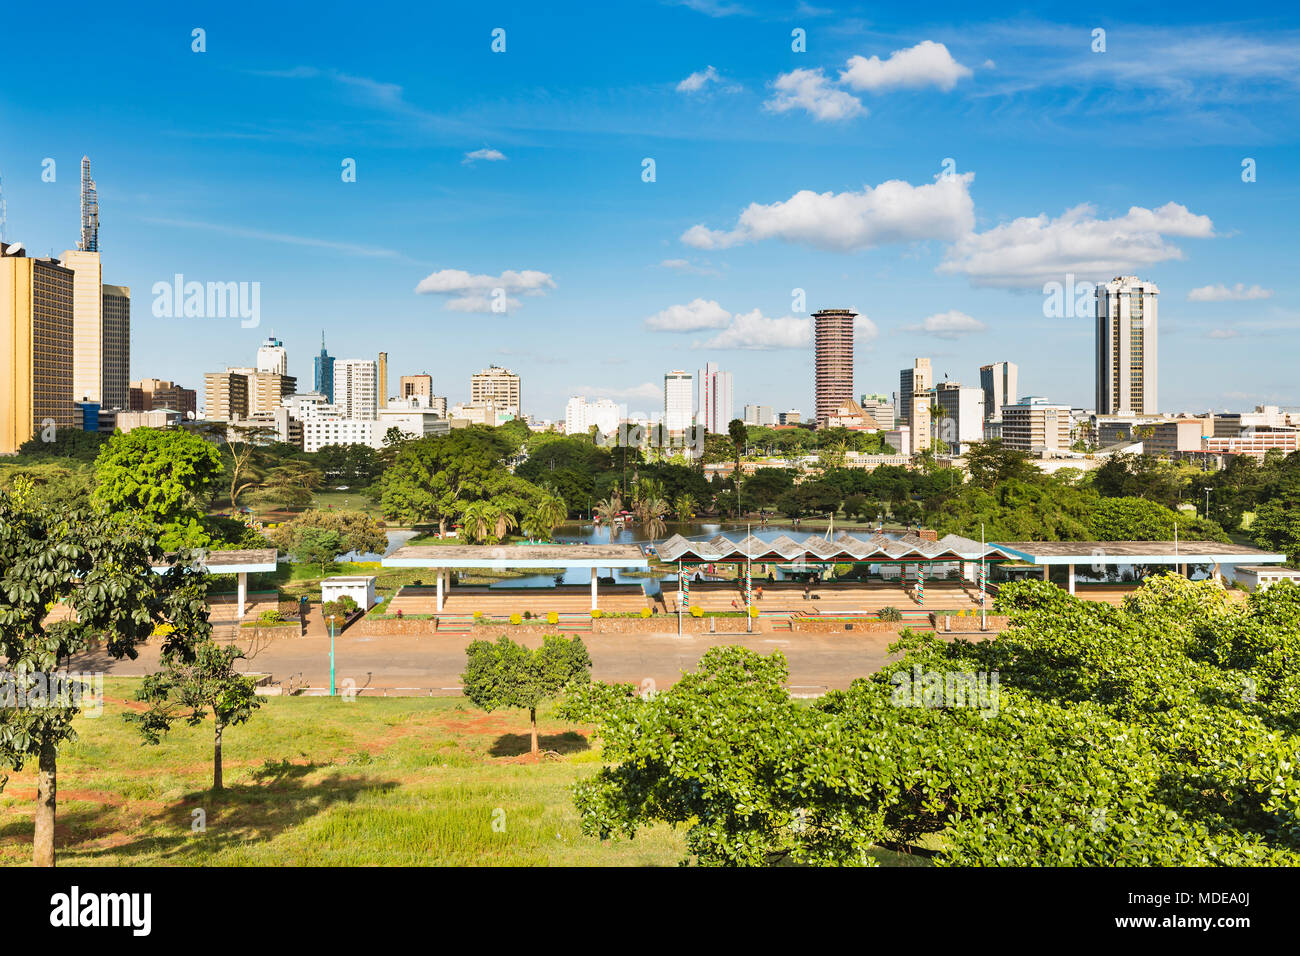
<point>474,293</point>
<point>487,155</point>
<point>926,64</point>
<point>894,211</point>
<point>810,90</point>
<point>1029,251</point>
<point>753,330</point>
<point>695,315</point>
<point>698,80</point>
<point>864,330</point>
<point>1221,293</point>
<point>685,265</point>
<point>948,325</point>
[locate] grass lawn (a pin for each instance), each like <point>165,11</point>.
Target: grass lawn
<point>351,500</point>
<point>319,781</point>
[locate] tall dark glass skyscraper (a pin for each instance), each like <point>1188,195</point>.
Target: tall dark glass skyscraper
<point>324,383</point>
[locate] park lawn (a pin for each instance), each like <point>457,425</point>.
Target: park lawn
<point>351,500</point>
<point>321,781</point>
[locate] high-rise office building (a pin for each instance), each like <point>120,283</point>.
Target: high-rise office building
<point>354,388</point>
<point>962,420</point>
<point>918,378</point>
<point>833,344</point>
<point>759,415</point>
<point>272,357</point>
<point>151,393</point>
<point>679,400</point>
<point>87,325</point>
<point>1126,347</point>
<point>323,367</point>
<point>1000,388</point>
<point>36,328</point>
<point>416,386</point>
<point>499,387</point>
<point>715,399</point>
<point>580,415</point>
<point>1033,424</point>
<point>115,350</point>
<point>382,384</point>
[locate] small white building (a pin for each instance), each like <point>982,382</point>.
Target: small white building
<point>1259,576</point>
<point>359,587</point>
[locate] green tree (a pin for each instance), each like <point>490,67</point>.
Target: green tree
<point>192,686</point>
<point>319,546</point>
<point>506,674</point>
<point>356,531</point>
<point>433,478</point>
<point>990,463</point>
<point>290,485</point>
<point>103,570</point>
<point>161,476</point>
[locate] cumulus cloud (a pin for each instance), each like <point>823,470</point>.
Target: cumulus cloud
<point>1030,251</point>
<point>695,315</point>
<point>864,330</point>
<point>474,293</point>
<point>948,325</point>
<point>926,64</point>
<point>894,211</point>
<point>702,78</point>
<point>753,330</point>
<point>1221,293</point>
<point>810,90</point>
<point>486,155</point>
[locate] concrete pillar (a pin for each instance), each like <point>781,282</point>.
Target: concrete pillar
<point>1046,568</point>
<point>243,592</point>
<point>593,589</point>
<point>441,572</point>
<point>1218,573</point>
<point>1071,579</point>
<point>1182,569</point>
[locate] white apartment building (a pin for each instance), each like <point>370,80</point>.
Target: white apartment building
<point>1126,347</point>
<point>762,415</point>
<point>355,383</point>
<point>412,421</point>
<point>716,398</point>
<point>580,415</point>
<point>319,432</point>
<point>679,401</point>
<point>1033,424</point>
<point>918,378</point>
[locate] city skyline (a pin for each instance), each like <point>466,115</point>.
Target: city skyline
<point>775,171</point>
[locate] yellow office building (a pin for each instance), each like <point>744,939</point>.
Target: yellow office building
<point>36,326</point>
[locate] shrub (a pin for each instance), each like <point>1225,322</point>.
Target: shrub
<point>269,617</point>
<point>697,611</point>
<point>528,615</point>
<point>595,613</point>
<point>552,617</point>
<point>645,612</point>
<point>288,609</point>
<point>516,619</point>
<point>889,614</point>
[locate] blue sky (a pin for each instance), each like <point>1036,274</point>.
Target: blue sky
<point>820,170</point>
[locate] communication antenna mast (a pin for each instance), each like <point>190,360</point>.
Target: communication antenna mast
<point>3,211</point>
<point>89,210</point>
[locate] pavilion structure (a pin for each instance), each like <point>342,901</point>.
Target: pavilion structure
<point>444,558</point>
<point>242,563</point>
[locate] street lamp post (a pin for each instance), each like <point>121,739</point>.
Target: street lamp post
<point>331,655</point>
<point>1207,504</point>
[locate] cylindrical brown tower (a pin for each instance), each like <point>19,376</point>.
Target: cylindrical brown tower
<point>834,344</point>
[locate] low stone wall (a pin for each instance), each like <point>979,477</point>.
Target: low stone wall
<point>395,627</point>
<point>658,623</point>
<point>952,624</point>
<point>812,625</point>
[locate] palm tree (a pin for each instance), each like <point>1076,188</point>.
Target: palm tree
<point>684,506</point>
<point>502,522</point>
<point>547,515</point>
<point>476,520</point>
<point>651,514</point>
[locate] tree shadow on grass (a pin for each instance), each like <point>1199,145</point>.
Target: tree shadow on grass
<point>275,798</point>
<point>515,745</point>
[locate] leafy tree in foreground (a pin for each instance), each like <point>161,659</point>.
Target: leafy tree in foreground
<point>506,674</point>
<point>191,690</point>
<point>1163,732</point>
<point>103,571</point>
<point>356,531</point>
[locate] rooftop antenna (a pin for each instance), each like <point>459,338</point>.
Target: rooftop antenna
<point>3,210</point>
<point>89,241</point>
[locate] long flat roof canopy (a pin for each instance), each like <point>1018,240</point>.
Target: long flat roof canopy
<point>247,561</point>
<point>507,556</point>
<point>1137,552</point>
<point>815,549</point>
